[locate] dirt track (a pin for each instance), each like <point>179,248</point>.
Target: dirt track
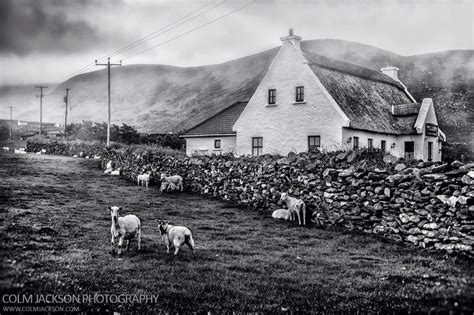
<point>55,236</point>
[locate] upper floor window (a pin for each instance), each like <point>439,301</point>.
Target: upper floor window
<point>272,96</point>
<point>314,142</point>
<point>300,93</point>
<point>257,146</point>
<point>217,144</point>
<point>356,143</point>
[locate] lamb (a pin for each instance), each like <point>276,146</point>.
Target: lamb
<point>164,186</point>
<point>171,187</point>
<point>126,227</point>
<point>115,172</point>
<point>175,236</point>
<point>144,179</point>
<point>108,168</point>
<point>284,214</point>
<point>296,207</point>
<point>175,179</point>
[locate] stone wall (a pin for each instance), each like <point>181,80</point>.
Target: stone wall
<point>427,204</point>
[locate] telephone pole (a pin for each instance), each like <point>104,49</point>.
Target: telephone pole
<point>108,64</point>
<point>11,122</point>
<point>41,87</point>
<point>65,116</point>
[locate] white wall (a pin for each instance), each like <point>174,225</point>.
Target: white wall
<point>205,145</point>
<point>420,142</point>
<point>285,127</point>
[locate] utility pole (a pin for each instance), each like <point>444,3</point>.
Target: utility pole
<point>65,116</point>
<point>11,122</point>
<point>108,64</point>
<point>41,87</point>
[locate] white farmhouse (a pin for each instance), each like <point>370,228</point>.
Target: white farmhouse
<point>308,101</point>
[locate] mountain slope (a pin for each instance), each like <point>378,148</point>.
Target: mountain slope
<point>159,98</point>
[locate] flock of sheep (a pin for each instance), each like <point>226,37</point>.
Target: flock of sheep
<point>129,227</point>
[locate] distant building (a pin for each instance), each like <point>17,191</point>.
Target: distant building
<point>308,101</point>
<point>22,123</point>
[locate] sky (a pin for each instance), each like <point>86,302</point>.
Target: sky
<point>49,41</point>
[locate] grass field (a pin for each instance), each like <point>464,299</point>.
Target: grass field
<point>55,238</point>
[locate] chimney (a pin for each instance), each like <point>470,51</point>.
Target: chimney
<point>292,40</point>
<point>391,72</point>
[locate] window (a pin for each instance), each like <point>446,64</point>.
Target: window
<point>430,151</point>
<point>257,145</point>
<point>370,144</point>
<point>272,96</point>
<point>314,142</point>
<point>383,145</point>
<point>217,144</point>
<point>300,93</point>
<point>356,143</point>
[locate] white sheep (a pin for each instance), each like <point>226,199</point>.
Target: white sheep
<point>164,186</point>
<point>6,149</point>
<point>175,179</point>
<point>115,172</point>
<point>108,168</point>
<point>296,207</point>
<point>284,214</point>
<point>175,236</point>
<point>126,227</point>
<point>172,187</point>
<point>144,179</point>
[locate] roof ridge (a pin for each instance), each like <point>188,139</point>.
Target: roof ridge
<point>349,68</point>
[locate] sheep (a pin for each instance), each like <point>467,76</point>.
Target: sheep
<point>126,227</point>
<point>43,151</point>
<point>144,179</point>
<point>108,168</point>
<point>296,207</point>
<point>284,214</point>
<point>6,149</point>
<point>171,187</point>
<point>175,179</point>
<point>164,186</point>
<point>20,151</point>
<point>115,172</point>
<point>175,236</point>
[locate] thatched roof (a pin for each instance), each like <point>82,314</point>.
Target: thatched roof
<point>365,96</point>
<point>220,123</point>
<point>406,109</point>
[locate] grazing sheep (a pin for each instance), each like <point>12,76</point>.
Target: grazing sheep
<point>296,207</point>
<point>43,151</point>
<point>144,179</point>
<point>175,236</point>
<point>284,214</point>
<point>175,179</point>
<point>6,149</point>
<point>126,227</point>
<point>164,186</point>
<point>20,151</point>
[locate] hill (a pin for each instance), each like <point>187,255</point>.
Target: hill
<point>160,98</point>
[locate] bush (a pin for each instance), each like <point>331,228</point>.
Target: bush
<point>457,151</point>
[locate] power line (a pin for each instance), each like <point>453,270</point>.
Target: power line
<point>192,30</point>
<point>154,34</point>
<point>11,122</point>
<point>108,64</point>
<point>41,87</point>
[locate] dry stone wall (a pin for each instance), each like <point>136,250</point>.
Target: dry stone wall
<point>426,204</point>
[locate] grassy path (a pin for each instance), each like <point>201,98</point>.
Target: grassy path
<point>55,233</point>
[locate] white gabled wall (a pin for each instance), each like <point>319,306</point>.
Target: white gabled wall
<point>285,127</point>
<point>205,145</point>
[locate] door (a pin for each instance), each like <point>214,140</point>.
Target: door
<point>409,150</point>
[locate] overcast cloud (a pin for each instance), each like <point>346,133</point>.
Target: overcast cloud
<point>48,40</point>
